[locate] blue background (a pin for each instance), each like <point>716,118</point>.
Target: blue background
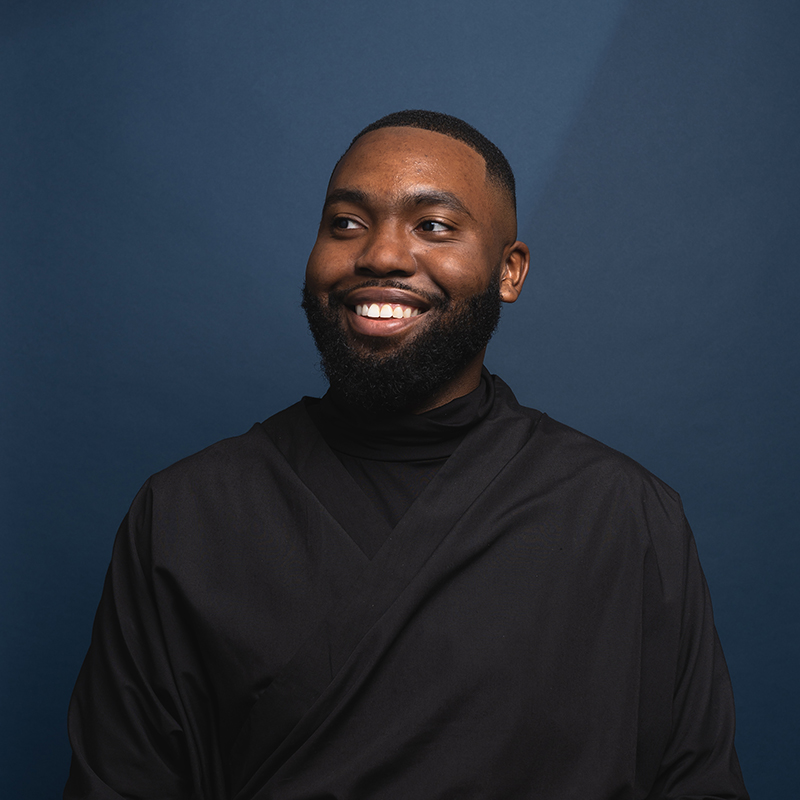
<point>162,167</point>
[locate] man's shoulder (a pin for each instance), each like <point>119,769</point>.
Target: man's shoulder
<point>568,449</point>
<point>602,470</point>
<point>563,454</point>
<point>251,451</point>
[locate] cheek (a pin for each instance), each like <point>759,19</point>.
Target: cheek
<point>467,272</point>
<point>319,270</point>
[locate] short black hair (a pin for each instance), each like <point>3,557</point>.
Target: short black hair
<point>498,169</point>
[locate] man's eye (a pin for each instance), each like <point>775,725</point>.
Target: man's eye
<point>344,224</point>
<point>432,226</point>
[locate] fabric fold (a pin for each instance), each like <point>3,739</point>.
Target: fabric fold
<point>314,682</point>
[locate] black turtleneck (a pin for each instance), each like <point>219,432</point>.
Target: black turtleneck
<point>393,457</point>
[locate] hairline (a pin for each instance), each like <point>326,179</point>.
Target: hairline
<point>490,177</point>
<point>498,170</point>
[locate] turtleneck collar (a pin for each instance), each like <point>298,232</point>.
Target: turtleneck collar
<point>400,437</point>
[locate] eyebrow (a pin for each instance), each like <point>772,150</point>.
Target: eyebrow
<point>346,196</point>
<point>436,198</point>
<point>413,200</point>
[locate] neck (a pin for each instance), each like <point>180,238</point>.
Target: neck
<point>465,382</point>
<point>400,436</point>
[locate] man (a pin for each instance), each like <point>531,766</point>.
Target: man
<point>414,587</point>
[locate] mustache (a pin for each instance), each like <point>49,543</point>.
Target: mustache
<point>336,297</point>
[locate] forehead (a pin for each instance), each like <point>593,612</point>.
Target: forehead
<point>390,160</point>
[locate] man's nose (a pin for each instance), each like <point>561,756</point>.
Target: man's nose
<point>387,251</point>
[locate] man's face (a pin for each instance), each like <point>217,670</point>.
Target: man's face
<point>414,252</point>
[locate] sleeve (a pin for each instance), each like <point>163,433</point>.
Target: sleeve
<point>124,717</point>
<point>700,761</point>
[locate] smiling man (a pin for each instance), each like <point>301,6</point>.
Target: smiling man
<point>416,249</point>
<point>412,587</point>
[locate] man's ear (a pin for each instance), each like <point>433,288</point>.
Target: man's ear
<point>516,261</point>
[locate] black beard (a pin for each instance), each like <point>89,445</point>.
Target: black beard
<point>413,372</point>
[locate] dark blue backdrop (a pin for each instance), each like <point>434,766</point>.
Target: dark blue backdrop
<point>162,167</point>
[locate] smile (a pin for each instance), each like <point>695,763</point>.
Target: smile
<point>386,311</point>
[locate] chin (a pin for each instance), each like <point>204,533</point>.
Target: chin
<point>393,374</point>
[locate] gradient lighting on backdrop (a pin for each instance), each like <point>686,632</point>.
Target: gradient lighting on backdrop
<point>163,170</point>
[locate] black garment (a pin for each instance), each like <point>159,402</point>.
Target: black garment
<point>393,457</point>
<point>536,626</point>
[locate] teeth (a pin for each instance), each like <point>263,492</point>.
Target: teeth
<point>386,311</point>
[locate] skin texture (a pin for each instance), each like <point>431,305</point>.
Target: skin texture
<point>410,219</point>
